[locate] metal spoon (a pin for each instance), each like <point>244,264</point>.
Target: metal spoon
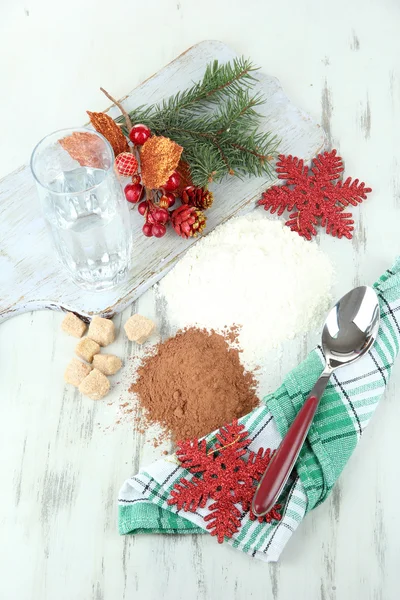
<point>349,332</point>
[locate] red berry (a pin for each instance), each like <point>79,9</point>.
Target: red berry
<point>133,192</point>
<point>158,230</point>
<point>161,215</point>
<point>167,200</point>
<point>171,199</point>
<point>139,134</point>
<point>147,229</point>
<point>150,217</point>
<point>126,164</point>
<point>136,179</point>
<point>142,208</point>
<point>173,182</point>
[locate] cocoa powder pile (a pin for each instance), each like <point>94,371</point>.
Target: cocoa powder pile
<point>193,384</point>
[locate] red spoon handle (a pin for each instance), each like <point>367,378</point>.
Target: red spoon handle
<point>283,460</point>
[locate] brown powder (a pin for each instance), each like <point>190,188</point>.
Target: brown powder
<point>193,384</point>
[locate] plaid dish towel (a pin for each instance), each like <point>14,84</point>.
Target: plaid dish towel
<point>344,411</point>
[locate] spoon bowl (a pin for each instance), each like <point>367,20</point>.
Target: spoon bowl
<point>351,327</point>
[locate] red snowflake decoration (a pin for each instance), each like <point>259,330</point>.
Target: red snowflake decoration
<point>317,195</point>
<point>225,478</point>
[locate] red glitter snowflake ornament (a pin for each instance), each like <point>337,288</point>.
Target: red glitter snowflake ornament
<point>317,195</point>
<point>226,478</point>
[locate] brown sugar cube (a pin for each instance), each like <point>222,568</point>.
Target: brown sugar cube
<point>139,328</point>
<point>76,371</point>
<point>87,348</point>
<point>95,385</point>
<point>73,325</point>
<point>107,363</point>
<point>102,331</point>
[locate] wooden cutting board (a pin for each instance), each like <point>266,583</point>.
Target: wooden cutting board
<point>31,277</point>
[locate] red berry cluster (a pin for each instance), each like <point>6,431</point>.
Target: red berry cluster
<point>155,209</point>
<point>127,164</point>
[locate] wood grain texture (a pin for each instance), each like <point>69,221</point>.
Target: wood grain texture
<point>60,470</point>
<point>26,240</point>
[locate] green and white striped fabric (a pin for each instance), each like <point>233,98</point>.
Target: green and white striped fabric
<point>345,410</point>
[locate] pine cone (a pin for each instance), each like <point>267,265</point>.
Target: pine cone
<point>198,197</point>
<point>188,221</point>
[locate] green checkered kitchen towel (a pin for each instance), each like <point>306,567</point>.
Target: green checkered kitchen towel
<point>345,410</point>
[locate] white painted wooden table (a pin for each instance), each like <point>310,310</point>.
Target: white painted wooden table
<point>60,467</point>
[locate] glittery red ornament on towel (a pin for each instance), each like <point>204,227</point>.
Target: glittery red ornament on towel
<point>317,195</point>
<point>226,478</point>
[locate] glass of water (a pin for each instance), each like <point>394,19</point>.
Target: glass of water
<point>84,206</point>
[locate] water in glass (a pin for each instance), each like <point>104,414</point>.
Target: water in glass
<point>87,216</point>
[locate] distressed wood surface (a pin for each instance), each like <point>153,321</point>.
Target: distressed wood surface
<point>60,466</point>
<point>26,241</point>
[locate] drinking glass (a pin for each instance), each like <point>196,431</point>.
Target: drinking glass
<point>84,206</point>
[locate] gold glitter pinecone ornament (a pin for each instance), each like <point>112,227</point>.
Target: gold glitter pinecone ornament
<point>188,221</point>
<point>198,197</point>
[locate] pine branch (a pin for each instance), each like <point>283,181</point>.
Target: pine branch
<point>217,80</point>
<point>216,122</point>
<point>233,110</point>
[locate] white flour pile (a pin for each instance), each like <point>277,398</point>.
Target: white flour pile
<point>254,273</point>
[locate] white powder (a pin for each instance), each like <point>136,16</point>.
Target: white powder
<point>255,273</point>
